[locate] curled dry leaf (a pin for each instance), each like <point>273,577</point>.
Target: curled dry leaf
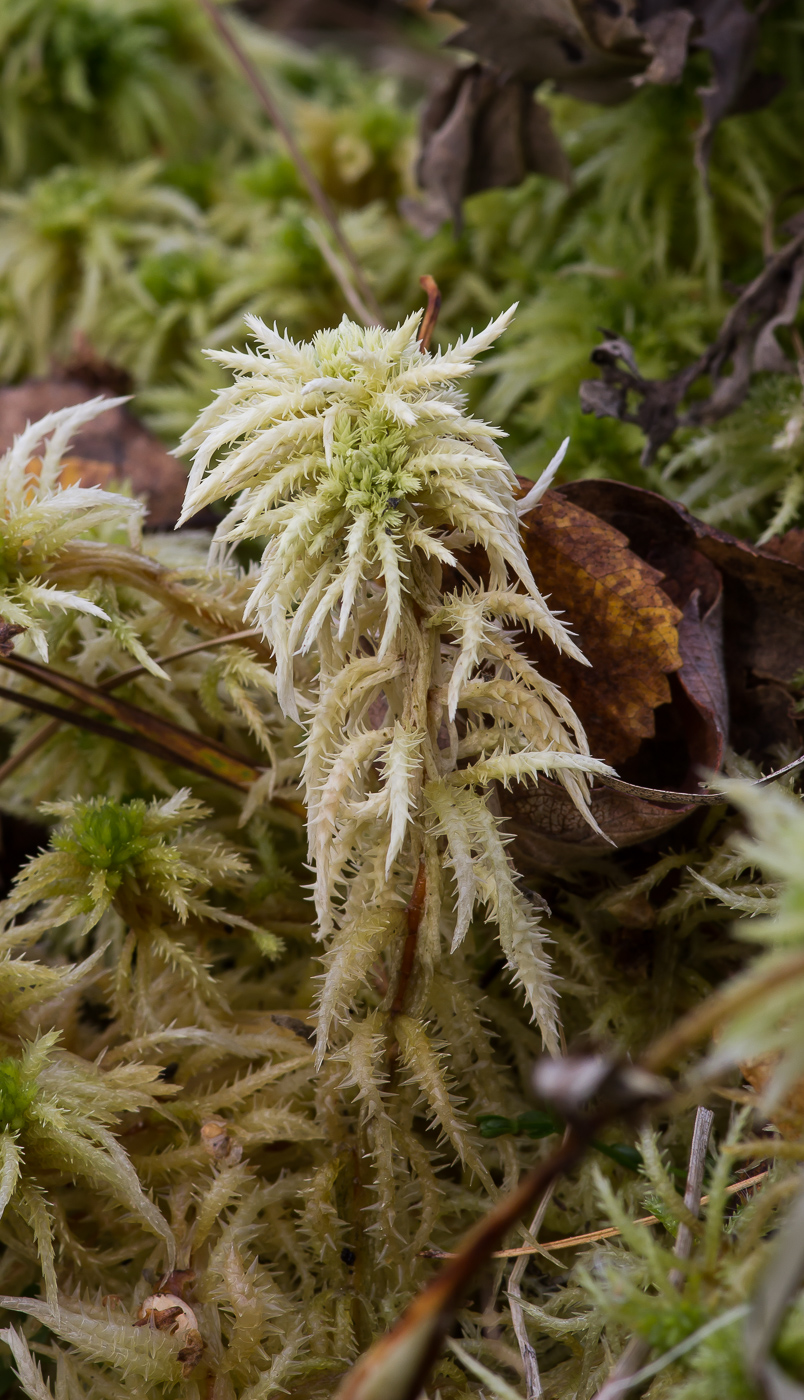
<point>745,344</point>
<point>614,601</point>
<point>588,50</point>
<point>114,447</point>
<point>763,606</point>
<point>476,131</point>
<point>696,639</point>
<point>482,130</point>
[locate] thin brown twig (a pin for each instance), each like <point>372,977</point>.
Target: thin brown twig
<point>102,730</point>
<point>409,1349</point>
<point>151,734</point>
<point>30,747</point>
<point>173,737</point>
<point>609,1233</point>
<point>272,110</point>
<point>423,1324</point>
<point>413,914</point>
<point>667,797</point>
<point>638,1350</point>
<point>209,644</point>
<point>340,273</point>
<point>43,735</point>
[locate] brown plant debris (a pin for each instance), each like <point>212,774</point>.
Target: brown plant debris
<point>477,130</point>
<point>483,129</point>
<point>179,745</point>
<point>627,625</point>
<point>430,316</point>
<point>8,632</point>
<point>398,1364</point>
<point>696,640</point>
<point>112,448</point>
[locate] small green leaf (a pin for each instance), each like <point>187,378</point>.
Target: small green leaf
<point>622,1154</point>
<point>534,1124</point>
<point>537,1124</point>
<point>493,1125</point>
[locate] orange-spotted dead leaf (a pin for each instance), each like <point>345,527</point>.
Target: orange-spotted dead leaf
<point>625,623</point>
<point>628,627</point>
<point>740,638</point>
<point>763,606</point>
<point>653,702</point>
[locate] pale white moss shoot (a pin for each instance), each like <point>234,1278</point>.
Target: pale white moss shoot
<point>354,460</point>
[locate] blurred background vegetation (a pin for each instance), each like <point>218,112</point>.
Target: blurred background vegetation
<point>146,202</point>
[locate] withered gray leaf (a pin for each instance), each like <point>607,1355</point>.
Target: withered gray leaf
<point>480,131</point>
<point>599,50</point>
<point>591,49</point>
<point>667,36</point>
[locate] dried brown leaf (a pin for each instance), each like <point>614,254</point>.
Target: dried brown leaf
<point>600,51</point>
<point>480,131</point>
<point>588,50</point>
<point>737,614</point>
<point>114,447</point>
<point>763,605</point>
<point>626,624</point>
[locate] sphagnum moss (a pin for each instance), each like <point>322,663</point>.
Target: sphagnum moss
<point>355,458</point>
<point>159,1100</point>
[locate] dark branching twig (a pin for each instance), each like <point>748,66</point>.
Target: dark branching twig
<point>109,731</point>
<point>745,344</point>
<point>397,1366</point>
<point>180,743</point>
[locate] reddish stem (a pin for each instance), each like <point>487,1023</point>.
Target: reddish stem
<point>414,914</point>
<point>431,314</point>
